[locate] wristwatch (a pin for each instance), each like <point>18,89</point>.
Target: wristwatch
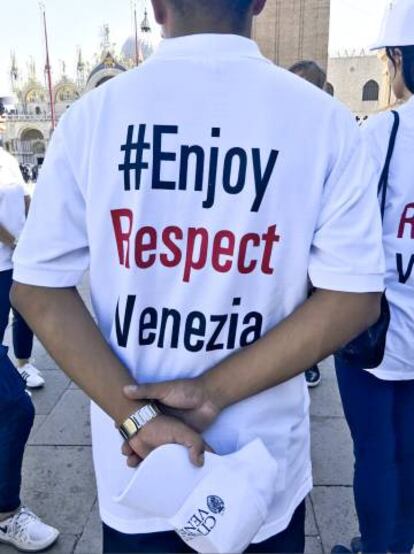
<point>138,420</point>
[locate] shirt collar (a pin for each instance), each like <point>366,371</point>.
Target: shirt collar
<point>208,45</point>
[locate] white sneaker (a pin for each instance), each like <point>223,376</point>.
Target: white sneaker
<point>32,376</point>
<point>26,532</point>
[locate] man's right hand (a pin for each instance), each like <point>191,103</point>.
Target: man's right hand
<point>165,430</point>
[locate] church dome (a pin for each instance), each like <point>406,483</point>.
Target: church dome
<point>105,70</point>
<point>145,48</point>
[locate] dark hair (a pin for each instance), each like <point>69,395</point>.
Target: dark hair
<point>237,8</point>
<point>310,71</point>
<point>407,63</point>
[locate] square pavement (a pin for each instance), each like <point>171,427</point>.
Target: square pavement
<point>58,479</point>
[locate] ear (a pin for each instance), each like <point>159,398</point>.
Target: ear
<point>160,13</point>
<point>398,57</point>
<point>258,6</point>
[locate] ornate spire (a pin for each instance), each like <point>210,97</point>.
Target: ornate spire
<point>80,70</point>
<point>105,39</point>
<point>14,71</point>
<point>145,25</point>
<point>81,64</point>
<point>31,67</point>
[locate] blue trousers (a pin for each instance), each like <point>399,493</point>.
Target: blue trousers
<point>16,420</point>
<point>22,334</point>
<point>380,415</point>
<point>290,541</point>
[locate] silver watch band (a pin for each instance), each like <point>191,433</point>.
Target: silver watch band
<point>138,420</point>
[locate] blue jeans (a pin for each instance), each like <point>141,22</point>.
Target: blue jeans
<point>380,415</point>
<point>22,334</point>
<point>290,541</point>
<point>16,420</point>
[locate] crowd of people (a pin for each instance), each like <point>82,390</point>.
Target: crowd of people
<point>210,308</point>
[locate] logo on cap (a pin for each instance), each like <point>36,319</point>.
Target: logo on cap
<point>202,522</point>
<point>215,504</point>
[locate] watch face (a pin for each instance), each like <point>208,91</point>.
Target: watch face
<point>129,428</point>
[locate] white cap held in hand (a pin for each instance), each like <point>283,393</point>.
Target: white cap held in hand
<point>218,508</point>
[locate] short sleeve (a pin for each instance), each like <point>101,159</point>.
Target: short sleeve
<point>53,248</point>
<point>347,253</point>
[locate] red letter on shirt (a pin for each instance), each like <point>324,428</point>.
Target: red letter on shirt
<point>406,220</point>
<point>200,261</point>
<point>243,268</point>
<point>122,236</point>
<point>142,246</point>
<point>219,250</point>
<point>167,237</point>
<point>270,238</point>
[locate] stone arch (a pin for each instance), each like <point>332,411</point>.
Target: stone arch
<point>370,92</point>
<point>35,95</point>
<point>31,134</point>
<point>66,92</point>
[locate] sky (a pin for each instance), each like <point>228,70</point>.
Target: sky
<point>73,23</point>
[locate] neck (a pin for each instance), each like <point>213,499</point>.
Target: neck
<point>178,28</point>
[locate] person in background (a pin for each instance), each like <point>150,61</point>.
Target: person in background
<point>379,404</point>
<point>14,205</point>
<point>19,526</point>
<point>311,72</point>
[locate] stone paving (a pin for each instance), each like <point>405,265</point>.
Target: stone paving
<point>58,480</point>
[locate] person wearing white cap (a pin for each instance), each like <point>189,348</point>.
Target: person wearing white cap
<point>201,190</point>
<point>379,404</point>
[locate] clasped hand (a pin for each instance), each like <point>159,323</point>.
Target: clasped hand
<point>187,412</point>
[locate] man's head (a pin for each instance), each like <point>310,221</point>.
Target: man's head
<point>183,17</point>
<point>310,71</point>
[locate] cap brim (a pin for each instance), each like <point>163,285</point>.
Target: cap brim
<point>164,480</point>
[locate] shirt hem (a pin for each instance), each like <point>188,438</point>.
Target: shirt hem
<point>389,375</point>
<point>347,283</point>
<point>46,277</point>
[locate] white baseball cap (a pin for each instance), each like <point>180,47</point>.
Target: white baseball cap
<point>218,508</point>
<point>397,26</point>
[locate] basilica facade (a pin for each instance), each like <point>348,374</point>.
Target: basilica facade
<point>29,120</point>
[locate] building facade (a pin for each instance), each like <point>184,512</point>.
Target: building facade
<point>289,31</point>
<point>29,120</point>
<point>361,81</point>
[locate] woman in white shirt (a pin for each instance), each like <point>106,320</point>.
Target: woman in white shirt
<point>379,404</point>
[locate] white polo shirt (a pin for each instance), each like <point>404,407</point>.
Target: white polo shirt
<point>398,363</point>
<point>200,190</point>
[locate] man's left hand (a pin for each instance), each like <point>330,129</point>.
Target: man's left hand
<point>186,399</point>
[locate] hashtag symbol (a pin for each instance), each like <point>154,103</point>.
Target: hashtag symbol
<point>135,167</point>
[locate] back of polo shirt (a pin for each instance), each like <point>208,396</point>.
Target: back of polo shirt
<point>202,190</point>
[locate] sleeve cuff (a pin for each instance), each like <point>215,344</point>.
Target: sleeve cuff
<point>341,282</point>
<point>50,278</point>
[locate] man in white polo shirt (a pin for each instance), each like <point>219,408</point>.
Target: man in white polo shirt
<point>201,190</point>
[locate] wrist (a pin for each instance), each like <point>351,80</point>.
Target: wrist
<point>216,399</point>
<point>138,420</point>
